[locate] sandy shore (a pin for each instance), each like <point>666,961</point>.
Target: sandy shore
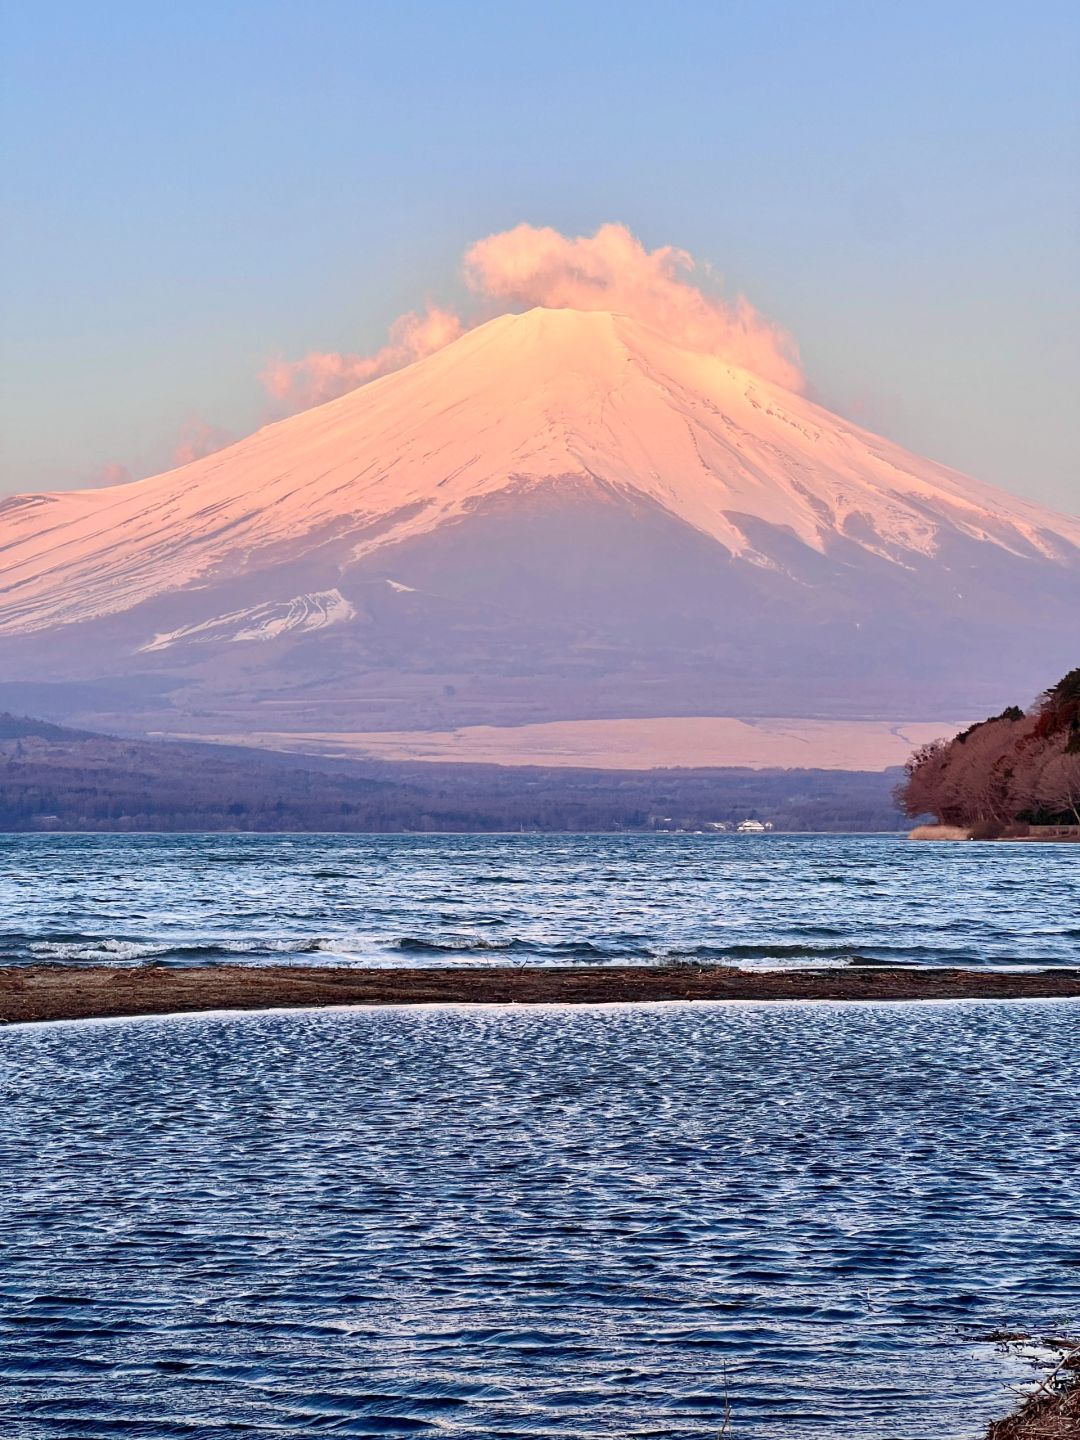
<point>54,992</point>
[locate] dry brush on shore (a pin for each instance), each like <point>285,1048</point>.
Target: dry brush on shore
<point>1052,1410</point>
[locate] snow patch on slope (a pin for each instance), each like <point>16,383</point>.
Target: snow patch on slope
<point>302,613</point>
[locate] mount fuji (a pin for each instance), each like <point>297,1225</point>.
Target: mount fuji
<point>559,516</point>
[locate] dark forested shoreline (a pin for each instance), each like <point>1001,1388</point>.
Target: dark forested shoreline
<point>1014,774</point>
<point>54,779</point>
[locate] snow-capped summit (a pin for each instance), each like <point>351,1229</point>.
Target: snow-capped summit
<point>561,513</point>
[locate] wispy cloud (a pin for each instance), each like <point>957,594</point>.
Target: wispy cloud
<point>612,270</point>
<point>528,266</point>
<point>197,439</point>
<point>111,473</point>
<point>322,375</point>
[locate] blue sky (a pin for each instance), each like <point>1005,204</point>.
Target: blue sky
<point>194,189</point>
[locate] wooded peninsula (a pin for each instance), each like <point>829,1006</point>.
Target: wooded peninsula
<point>1015,775</point>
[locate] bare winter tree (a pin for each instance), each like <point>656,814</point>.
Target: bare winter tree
<point>1058,787</point>
<point>922,790</point>
<point>1012,767</point>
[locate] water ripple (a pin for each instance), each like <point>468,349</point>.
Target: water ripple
<point>601,1222</point>
<point>497,899</point>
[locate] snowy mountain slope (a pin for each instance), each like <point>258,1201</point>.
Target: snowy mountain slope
<point>556,494</point>
<point>263,622</point>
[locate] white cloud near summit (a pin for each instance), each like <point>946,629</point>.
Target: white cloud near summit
<point>612,270</point>
<point>527,266</point>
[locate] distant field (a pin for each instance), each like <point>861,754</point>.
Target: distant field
<point>694,742</point>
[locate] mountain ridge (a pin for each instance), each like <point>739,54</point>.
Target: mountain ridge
<point>558,496</point>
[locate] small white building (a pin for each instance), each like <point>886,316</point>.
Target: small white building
<point>753,827</point>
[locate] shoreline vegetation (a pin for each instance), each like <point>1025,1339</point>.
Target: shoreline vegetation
<point>1015,776</point>
<point>1052,1410</point>
<point>39,993</point>
<point>1016,834</point>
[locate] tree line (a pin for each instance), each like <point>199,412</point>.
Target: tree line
<point>1021,767</point>
<point>56,779</point>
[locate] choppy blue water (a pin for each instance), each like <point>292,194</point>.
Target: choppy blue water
<point>453,899</point>
<point>539,1222</point>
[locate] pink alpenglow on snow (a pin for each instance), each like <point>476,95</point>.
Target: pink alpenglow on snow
<point>562,514</point>
<point>319,376</point>
<point>528,266</point>
<point>612,270</point>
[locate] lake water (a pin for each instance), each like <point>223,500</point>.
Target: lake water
<point>454,899</point>
<point>608,1221</point>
